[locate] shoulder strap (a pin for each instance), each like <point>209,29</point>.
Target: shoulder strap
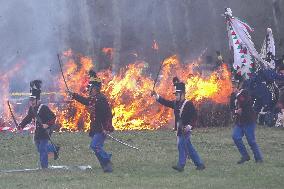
<point>37,118</point>
<point>39,108</point>
<point>182,107</point>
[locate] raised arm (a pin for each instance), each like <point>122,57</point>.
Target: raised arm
<point>28,119</point>
<point>165,102</point>
<point>81,99</point>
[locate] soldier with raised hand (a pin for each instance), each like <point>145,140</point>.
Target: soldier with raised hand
<point>101,120</point>
<point>185,116</point>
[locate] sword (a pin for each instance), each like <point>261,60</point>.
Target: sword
<point>59,61</point>
<point>157,76</point>
<point>123,143</point>
<point>12,114</point>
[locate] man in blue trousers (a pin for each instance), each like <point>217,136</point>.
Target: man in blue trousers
<point>101,121</point>
<point>44,118</point>
<point>245,125</point>
<point>185,118</point>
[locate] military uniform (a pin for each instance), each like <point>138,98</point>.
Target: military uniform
<point>185,118</point>
<point>245,125</point>
<point>41,114</point>
<point>101,120</point>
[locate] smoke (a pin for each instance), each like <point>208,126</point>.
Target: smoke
<point>30,34</point>
<point>34,31</point>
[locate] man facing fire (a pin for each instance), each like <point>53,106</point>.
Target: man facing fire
<point>185,116</point>
<point>101,120</point>
<point>44,119</point>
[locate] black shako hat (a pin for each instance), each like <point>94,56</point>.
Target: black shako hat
<point>175,80</point>
<point>92,73</point>
<point>35,89</point>
<point>95,82</point>
<point>179,88</point>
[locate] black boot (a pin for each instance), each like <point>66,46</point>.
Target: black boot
<point>259,161</point>
<point>200,167</point>
<point>56,152</point>
<point>178,168</point>
<point>108,167</point>
<point>243,160</point>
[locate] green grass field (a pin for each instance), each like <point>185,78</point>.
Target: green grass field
<point>151,166</point>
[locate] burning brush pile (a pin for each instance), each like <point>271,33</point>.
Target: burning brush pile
<point>129,94</point>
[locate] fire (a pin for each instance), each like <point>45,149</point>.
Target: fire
<point>216,87</point>
<point>4,91</point>
<point>129,92</point>
<point>67,53</point>
<point>73,114</point>
<point>109,52</point>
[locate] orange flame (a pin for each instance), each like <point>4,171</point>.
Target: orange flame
<point>70,115</point>
<point>129,92</point>
<point>67,53</point>
<point>4,87</point>
<point>4,91</point>
<point>109,52</point>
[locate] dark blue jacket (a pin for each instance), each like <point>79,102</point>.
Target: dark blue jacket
<point>100,112</point>
<point>46,117</point>
<point>188,116</point>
